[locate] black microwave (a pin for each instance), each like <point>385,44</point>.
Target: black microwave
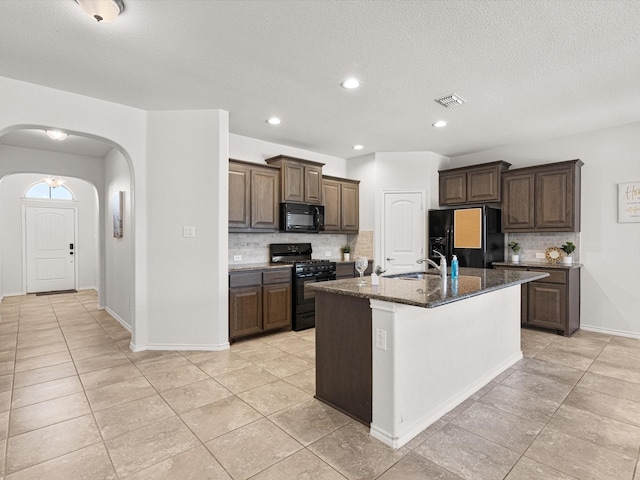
<point>301,217</point>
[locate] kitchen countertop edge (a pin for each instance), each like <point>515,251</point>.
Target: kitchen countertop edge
<point>257,266</point>
<point>491,280</point>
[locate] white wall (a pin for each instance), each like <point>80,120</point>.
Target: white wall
<point>26,105</point>
<point>119,273</point>
<point>188,186</point>
<point>610,297</point>
<point>364,169</point>
<point>253,150</point>
<point>12,189</point>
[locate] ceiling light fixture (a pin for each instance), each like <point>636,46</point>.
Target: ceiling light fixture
<point>273,121</point>
<point>350,83</point>
<point>53,182</point>
<point>103,11</point>
<point>357,147</point>
<point>57,134</point>
<point>440,124</point>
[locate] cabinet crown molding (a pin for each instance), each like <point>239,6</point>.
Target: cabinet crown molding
<point>502,163</point>
<point>286,158</point>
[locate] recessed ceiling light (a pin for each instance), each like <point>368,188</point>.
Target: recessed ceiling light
<point>440,124</point>
<point>273,121</point>
<point>350,83</point>
<point>57,134</point>
<point>357,147</point>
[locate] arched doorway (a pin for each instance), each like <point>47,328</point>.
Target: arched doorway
<point>103,165</point>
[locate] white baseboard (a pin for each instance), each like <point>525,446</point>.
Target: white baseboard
<point>19,294</point>
<point>180,347</point>
<point>95,289</point>
<point>610,331</point>
<point>117,317</point>
<point>443,409</point>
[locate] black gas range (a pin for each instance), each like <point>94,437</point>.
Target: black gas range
<point>305,270</point>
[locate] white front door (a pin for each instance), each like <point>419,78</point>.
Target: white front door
<point>50,243</point>
<point>404,231</point>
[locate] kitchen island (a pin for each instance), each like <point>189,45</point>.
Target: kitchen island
<point>399,355</point>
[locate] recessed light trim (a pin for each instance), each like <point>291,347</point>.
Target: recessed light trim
<point>350,83</point>
<point>57,135</point>
<point>440,124</point>
<point>274,121</point>
<point>358,147</point>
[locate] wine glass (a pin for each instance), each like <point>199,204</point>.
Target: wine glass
<point>361,265</point>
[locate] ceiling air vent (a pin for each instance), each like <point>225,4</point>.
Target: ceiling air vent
<point>450,100</point>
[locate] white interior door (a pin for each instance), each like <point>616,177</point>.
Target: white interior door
<point>404,231</point>
<point>50,244</point>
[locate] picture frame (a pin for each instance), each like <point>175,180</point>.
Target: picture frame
<point>629,202</point>
<point>118,210</point>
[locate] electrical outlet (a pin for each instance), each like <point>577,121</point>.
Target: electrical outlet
<point>381,339</point>
<point>327,254</point>
<point>237,258</point>
<point>539,255</point>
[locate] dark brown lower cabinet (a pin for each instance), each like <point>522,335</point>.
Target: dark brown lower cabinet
<point>345,270</point>
<point>259,301</point>
<point>554,301</point>
<point>245,311</point>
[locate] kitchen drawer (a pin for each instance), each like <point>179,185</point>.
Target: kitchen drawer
<point>245,279</point>
<point>555,276</point>
<point>279,276</point>
<point>345,270</point>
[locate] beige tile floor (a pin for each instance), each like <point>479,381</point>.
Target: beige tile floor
<point>75,403</point>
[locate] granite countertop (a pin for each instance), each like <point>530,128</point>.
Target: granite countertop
<point>432,291</point>
<point>257,266</point>
<point>543,264</point>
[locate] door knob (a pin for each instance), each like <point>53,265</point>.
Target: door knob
<point>390,259</point>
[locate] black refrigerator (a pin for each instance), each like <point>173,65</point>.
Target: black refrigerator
<point>472,234</point>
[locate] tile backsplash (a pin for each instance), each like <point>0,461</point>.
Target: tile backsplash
<point>254,247</point>
<point>533,243</point>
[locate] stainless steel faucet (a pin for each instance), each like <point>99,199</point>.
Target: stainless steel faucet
<point>442,268</point>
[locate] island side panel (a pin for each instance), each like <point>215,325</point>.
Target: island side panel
<point>343,354</point>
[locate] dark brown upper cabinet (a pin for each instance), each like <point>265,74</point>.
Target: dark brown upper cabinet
<point>341,205</point>
<point>472,185</point>
<point>544,198</point>
<point>253,197</point>
<point>300,180</point>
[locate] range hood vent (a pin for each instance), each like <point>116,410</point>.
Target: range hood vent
<point>450,100</point>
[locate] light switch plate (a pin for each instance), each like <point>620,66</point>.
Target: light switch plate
<point>189,232</point>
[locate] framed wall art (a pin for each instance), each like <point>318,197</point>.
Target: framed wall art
<point>118,208</point>
<point>629,202</point>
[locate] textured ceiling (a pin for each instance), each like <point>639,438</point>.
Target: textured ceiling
<point>529,70</point>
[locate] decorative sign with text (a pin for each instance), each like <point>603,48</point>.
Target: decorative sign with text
<point>629,202</point>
